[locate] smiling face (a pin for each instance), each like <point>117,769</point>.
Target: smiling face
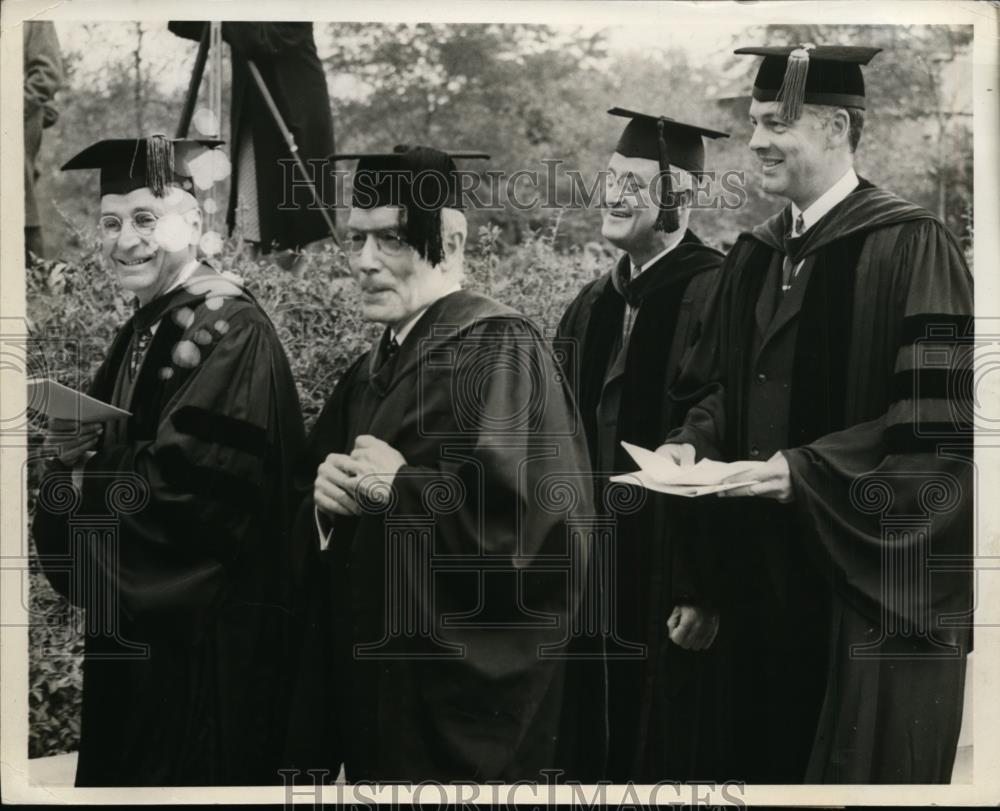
<point>794,156</point>
<point>147,264</point>
<point>631,206</point>
<point>396,283</point>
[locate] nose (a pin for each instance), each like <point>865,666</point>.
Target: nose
<point>613,192</point>
<point>758,141</point>
<point>128,236</point>
<point>368,260</point>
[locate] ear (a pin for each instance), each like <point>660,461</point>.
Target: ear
<point>193,218</point>
<point>454,244</point>
<point>839,126</point>
<point>684,198</point>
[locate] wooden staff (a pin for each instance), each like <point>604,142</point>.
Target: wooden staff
<point>192,92</point>
<point>292,147</point>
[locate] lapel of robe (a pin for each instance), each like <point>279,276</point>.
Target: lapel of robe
<point>146,396</point>
<point>767,301</point>
<point>445,319</point>
<point>379,366</point>
<point>774,233</point>
<point>630,292</point>
<point>620,282</point>
<point>789,304</point>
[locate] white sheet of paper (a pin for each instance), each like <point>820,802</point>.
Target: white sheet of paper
<point>642,479</point>
<point>61,402</point>
<point>664,471</point>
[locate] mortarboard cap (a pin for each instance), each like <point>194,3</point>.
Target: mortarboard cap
<point>156,162</point>
<point>670,143</point>
<point>810,74</point>
<point>419,179</point>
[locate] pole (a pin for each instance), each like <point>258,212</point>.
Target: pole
<point>292,147</point>
<point>192,92</point>
<point>215,85</point>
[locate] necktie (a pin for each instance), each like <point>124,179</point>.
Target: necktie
<point>142,339</point>
<point>791,245</point>
<point>387,350</point>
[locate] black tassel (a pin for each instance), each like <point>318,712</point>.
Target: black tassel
<point>792,93</point>
<point>159,163</point>
<point>423,220</point>
<point>667,219</point>
<point>426,226</point>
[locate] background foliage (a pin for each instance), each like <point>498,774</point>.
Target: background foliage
<point>523,93</point>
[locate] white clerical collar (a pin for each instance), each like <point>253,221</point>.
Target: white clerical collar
<point>403,331</point>
<point>637,269</point>
<point>835,194</point>
<point>186,273</point>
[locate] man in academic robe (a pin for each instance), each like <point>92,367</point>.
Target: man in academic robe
<point>835,367</point>
<point>449,471</point>
<point>270,203</point>
<point>629,331</point>
<point>189,594</point>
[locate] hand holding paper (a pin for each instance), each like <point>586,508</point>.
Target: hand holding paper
<point>69,441</point>
<point>770,479</point>
<point>663,475</point>
<point>680,454</point>
<point>75,420</point>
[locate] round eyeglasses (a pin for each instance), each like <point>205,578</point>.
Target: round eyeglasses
<point>143,223</point>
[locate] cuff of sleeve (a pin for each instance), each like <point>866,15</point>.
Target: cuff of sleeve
<point>325,533</point>
<point>797,459</point>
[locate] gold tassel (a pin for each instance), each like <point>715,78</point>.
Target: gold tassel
<point>159,163</point>
<point>793,86</point>
<point>667,219</point>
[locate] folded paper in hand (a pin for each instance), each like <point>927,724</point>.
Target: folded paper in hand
<point>663,475</point>
<point>61,402</point>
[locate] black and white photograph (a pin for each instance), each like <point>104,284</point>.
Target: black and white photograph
<point>541,402</point>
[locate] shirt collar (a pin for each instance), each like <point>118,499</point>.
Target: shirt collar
<point>637,269</point>
<point>835,194</point>
<point>404,330</point>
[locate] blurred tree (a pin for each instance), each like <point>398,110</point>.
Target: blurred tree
<point>535,97</point>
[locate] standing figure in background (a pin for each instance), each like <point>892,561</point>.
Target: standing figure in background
<point>269,201</point>
<point>43,74</point>
<point>630,329</point>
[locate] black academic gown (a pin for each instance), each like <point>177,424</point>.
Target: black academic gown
<point>451,605</point>
<point>659,726</point>
<point>848,637</point>
<point>285,54</point>
<point>177,546</point>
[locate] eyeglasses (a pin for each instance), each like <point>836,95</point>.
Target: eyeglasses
<point>143,223</point>
<point>391,243</point>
